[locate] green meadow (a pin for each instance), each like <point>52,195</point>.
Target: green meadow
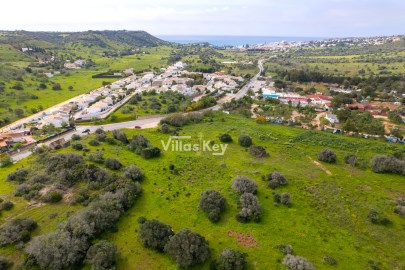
<point>328,215</point>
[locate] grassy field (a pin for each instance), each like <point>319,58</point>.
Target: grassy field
<point>327,216</point>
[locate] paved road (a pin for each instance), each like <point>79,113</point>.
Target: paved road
<point>149,122</point>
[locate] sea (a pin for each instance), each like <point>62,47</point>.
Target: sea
<point>233,40</point>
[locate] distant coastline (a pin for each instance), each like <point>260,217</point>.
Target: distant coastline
<point>232,40</point>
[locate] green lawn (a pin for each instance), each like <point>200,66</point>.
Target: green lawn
<point>327,216</point>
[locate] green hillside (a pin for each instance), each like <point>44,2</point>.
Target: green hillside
<point>327,218</point>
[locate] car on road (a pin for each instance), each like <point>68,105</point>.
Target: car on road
<point>138,127</point>
<point>86,130</point>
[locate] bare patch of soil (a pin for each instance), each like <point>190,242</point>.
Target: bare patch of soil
<point>243,239</point>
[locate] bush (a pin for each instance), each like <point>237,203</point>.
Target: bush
<point>18,176</point>
<point>285,249</point>
<point>112,164</point>
<point>276,179</point>
<point>351,160</point>
<point>375,218</point>
<point>102,255</point>
<point>138,143</point>
<point>245,141</point>
<point>7,205</point>
<point>97,157</point>
<point>297,263</point>
<point>150,152</point>
<point>330,260</point>
<point>400,210</point>
<point>75,137</point>
<point>57,250</point>
<point>120,135</point>
<point>285,199</point>
<point>5,161</point>
<point>155,234</point>
<point>94,142</point>
<point>388,164</point>
<point>4,263</point>
<point>188,248</point>
<point>77,146</point>
<point>225,138</point>
<point>134,173</point>
<point>327,155</point>
<point>212,203</point>
<point>243,184</point>
<point>231,260</point>
<point>17,230</point>
<point>53,197</point>
<point>251,208</point>
<point>258,151</point>
<point>164,128</point>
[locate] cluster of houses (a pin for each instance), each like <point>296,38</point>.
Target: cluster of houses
<point>9,140</point>
<point>78,64</point>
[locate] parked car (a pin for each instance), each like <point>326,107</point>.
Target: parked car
<point>138,127</point>
<point>86,130</point>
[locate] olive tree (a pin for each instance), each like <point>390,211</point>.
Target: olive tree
<point>155,234</point>
<point>188,248</point>
<point>212,203</point>
<point>243,184</point>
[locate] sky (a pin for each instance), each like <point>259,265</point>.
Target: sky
<point>306,18</point>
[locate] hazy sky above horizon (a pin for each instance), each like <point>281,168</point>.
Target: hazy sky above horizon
<point>312,18</point>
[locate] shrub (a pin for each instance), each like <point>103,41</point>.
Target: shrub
<point>164,128</point>
<point>258,151</point>
<point>212,203</point>
<point>276,179</point>
<point>243,184</point>
<point>112,163</point>
<point>57,250</point>
<point>75,137</point>
<point>375,218</point>
<point>120,135</point>
<point>231,260</point>
<point>5,161</point>
<point>97,157</point>
<point>110,141</point>
<point>102,255</point>
<point>297,263</point>
<point>101,137</point>
<point>150,152</point>
<point>188,248</point>
<point>7,205</point>
<point>285,199</point>
<point>99,131</point>
<point>94,142</point>
<point>351,160</point>
<point>17,230</point>
<point>400,210</point>
<point>155,234</point>
<point>4,263</point>
<point>251,208</point>
<point>53,197</point>
<point>18,176</point>
<point>225,138</point>
<point>285,249</point>
<point>327,155</point>
<point>330,260</point>
<point>134,173</point>
<point>138,143</point>
<point>388,164</point>
<point>77,146</point>
<point>245,141</point>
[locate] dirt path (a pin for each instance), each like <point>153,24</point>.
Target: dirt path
<point>320,166</point>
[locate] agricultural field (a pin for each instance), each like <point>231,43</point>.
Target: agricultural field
<point>329,202</point>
